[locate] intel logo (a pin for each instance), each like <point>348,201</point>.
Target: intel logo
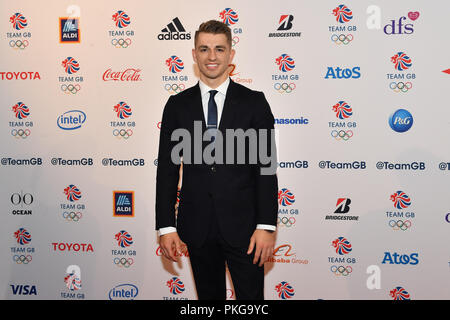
<point>123,292</point>
<point>71,120</point>
<point>401,120</point>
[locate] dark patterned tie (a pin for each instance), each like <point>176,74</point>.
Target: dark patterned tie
<point>212,114</point>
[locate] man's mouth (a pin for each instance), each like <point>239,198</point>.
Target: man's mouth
<point>212,66</point>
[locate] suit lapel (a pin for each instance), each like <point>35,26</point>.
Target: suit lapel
<point>229,107</point>
<point>197,107</point>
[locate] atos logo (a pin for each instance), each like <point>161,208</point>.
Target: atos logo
<point>71,120</point>
<point>23,290</point>
<point>126,291</point>
<point>396,258</point>
<point>342,13</point>
<point>401,120</point>
<point>284,290</point>
<point>343,73</point>
<point>176,286</point>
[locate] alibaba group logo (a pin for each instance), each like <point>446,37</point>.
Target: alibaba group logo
<point>283,250</point>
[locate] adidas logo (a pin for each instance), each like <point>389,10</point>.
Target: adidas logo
<point>174,31</point>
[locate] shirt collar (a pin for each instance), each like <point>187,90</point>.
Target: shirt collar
<point>204,89</point>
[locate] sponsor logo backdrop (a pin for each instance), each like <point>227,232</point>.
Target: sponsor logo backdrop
<point>359,91</point>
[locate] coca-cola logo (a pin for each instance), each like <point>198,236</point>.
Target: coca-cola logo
<point>130,74</point>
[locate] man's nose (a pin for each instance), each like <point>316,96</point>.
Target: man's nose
<point>212,55</point>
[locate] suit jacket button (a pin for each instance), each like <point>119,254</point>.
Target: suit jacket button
<point>213,169</point>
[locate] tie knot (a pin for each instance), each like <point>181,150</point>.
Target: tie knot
<point>212,93</point>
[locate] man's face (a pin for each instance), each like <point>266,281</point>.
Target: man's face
<point>212,54</point>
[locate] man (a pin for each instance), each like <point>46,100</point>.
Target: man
<point>227,211</point>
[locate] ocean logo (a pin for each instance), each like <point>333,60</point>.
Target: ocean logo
<point>342,13</point>
<point>399,293</point>
<point>229,16</point>
<point>285,197</point>
<point>73,193</point>
<point>401,61</point>
<point>401,120</point>
<point>21,110</point>
<point>124,239</point>
<point>401,200</point>
<point>73,282</point>
<point>343,110</point>
<point>70,65</point>
<point>175,64</point>
<point>121,19</point>
<point>18,21</point>
<point>123,110</point>
<point>284,290</point>
<point>176,286</point>
<point>22,236</point>
<point>285,63</point>
<point>342,246</point>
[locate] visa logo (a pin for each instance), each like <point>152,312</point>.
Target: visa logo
<point>20,289</point>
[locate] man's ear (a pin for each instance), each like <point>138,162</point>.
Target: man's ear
<point>194,55</point>
<point>232,55</point>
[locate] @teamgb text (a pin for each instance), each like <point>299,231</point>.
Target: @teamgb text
<point>257,142</point>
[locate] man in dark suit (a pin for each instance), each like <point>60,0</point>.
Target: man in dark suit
<point>227,212</point>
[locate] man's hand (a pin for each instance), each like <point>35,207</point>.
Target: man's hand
<point>171,245</point>
<point>264,242</point>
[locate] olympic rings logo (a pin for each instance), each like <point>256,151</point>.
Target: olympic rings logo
<point>73,89</point>
<point>122,133</point>
<point>22,259</point>
<point>400,86</point>
<point>18,44</point>
<point>400,225</point>
<point>341,270</point>
<point>20,133</point>
<point>174,88</point>
<point>72,216</point>
<point>284,87</point>
<point>121,43</point>
<point>342,135</point>
<point>234,41</point>
<point>285,221</point>
<point>123,262</point>
<point>342,38</point>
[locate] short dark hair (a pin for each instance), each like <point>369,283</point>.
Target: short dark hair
<point>215,27</point>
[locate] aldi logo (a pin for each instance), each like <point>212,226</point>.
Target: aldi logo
<point>69,30</point>
<point>123,203</point>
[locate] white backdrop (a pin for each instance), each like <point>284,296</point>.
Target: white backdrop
<point>39,160</point>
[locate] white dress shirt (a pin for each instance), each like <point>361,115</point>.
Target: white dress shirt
<point>219,98</point>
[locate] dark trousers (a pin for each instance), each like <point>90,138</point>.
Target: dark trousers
<point>208,267</point>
